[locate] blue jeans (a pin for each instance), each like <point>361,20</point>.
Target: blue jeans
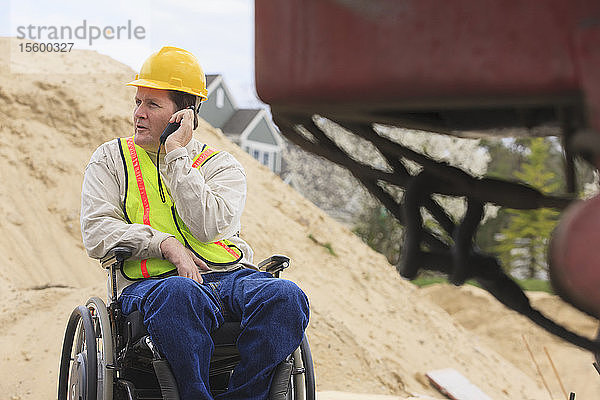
<point>179,314</point>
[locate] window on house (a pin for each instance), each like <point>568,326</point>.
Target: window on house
<point>266,158</point>
<point>256,154</point>
<point>220,98</point>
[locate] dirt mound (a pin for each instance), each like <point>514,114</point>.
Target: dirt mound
<point>370,331</point>
<point>503,330</point>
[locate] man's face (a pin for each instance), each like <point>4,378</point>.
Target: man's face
<point>150,116</point>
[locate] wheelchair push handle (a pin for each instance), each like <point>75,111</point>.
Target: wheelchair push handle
<point>274,264</point>
<point>115,255</point>
<point>112,261</point>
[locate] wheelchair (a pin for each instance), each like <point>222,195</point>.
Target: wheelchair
<point>109,356</point>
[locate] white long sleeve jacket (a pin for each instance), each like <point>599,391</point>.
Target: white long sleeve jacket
<point>210,201</point>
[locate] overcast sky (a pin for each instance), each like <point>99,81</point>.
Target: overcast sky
<point>219,32</point>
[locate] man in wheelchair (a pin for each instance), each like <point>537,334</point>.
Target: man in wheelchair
<point>179,214</point>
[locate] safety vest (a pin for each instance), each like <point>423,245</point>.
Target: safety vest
<point>143,205</point>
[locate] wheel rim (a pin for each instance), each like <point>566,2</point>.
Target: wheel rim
<point>104,347</point>
<point>78,378</point>
<point>78,357</point>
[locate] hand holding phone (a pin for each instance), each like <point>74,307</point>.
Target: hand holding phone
<point>171,127</point>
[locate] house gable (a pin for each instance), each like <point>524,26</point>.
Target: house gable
<point>210,78</point>
<point>262,133</point>
<point>263,142</point>
<point>260,130</point>
<point>240,121</point>
<point>251,129</point>
<point>220,105</point>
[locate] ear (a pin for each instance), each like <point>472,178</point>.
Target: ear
<point>195,114</point>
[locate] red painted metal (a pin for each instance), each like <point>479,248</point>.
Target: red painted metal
<point>428,52</point>
<point>587,57</point>
<point>575,264</point>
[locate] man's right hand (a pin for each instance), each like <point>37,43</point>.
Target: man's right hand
<point>187,263</point>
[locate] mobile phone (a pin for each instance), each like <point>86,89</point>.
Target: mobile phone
<point>171,127</point>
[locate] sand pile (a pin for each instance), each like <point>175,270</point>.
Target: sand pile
<point>503,330</point>
<point>370,331</point>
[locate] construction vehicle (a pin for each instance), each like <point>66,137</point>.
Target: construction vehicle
<point>471,68</point>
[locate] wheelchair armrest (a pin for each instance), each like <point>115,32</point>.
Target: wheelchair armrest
<point>116,254</point>
<point>274,264</point>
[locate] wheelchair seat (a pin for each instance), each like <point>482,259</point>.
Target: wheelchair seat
<point>140,355</point>
<point>226,335</point>
<point>225,355</point>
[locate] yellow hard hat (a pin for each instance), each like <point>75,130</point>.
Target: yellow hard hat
<point>172,68</point>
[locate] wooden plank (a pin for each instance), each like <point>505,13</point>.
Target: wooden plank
<point>452,384</point>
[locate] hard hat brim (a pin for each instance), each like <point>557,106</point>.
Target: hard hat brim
<point>165,86</point>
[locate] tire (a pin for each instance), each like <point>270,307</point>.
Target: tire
<point>104,347</point>
<point>309,371</point>
<point>78,378</point>
<point>303,376</point>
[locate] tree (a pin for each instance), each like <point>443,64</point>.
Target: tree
<point>523,241</point>
<point>380,230</point>
<point>506,156</point>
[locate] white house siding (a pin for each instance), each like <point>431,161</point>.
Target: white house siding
<point>261,150</point>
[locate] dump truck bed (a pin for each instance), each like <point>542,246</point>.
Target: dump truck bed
<point>427,55</point>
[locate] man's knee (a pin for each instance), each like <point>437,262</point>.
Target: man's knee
<point>289,300</point>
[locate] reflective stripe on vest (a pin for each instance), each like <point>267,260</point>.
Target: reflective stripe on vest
<point>142,205</point>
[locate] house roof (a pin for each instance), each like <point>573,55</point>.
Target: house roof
<point>210,78</point>
<point>239,121</point>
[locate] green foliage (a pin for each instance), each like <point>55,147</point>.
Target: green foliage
<point>535,285</point>
<point>504,159</point>
<point>523,240</point>
<point>381,231</point>
<point>529,285</point>
<point>327,245</point>
<point>423,281</point>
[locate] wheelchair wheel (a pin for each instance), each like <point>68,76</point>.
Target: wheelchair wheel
<point>303,374</point>
<point>309,371</point>
<point>78,365</point>
<point>301,383</point>
<point>104,347</point>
